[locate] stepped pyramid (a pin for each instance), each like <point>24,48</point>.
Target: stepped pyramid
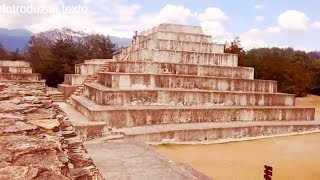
<point>19,72</point>
<point>174,83</point>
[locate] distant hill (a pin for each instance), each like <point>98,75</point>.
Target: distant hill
<point>14,38</point>
<point>18,39</point>
<point>120,41</point>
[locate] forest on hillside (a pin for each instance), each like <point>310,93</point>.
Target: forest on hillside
<point>54,53</point>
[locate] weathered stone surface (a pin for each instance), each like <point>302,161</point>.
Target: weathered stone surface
<point>31,142</point>
<point>18,127</point>
<point>131,160</point>
<point>45,123</point>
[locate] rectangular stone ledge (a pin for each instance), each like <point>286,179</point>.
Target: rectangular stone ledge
<point>119,117</point>
<point>173,56</point>
<point>13,69</point>
<point>86,69</point>
<point>98,61</point>
<point>188,46</point>
<point>180,69</point>
<point>181,37</point>
<point>149,81</point>
<point>66,89</point>
<point>182,97</point>
<point>20,76</point>
<point>215,131</point>
<point>90,131</point>
<point>74,79</point>
<point>14,63</point>
<point>35,84</point>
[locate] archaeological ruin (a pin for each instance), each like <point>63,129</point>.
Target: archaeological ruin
<point>173,84</point>
<point>36,139</point>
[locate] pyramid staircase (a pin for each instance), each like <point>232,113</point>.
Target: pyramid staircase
<point>174,84</point>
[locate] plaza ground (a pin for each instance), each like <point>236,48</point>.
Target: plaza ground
<point>293,157</point>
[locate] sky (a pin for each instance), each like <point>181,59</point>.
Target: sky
<point>258,23</point>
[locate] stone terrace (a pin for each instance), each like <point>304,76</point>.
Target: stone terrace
<point>19,72</point>
<point>174,83</point>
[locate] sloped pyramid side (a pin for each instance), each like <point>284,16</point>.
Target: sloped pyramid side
<point>174,83</point>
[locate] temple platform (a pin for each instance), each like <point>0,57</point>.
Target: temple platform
<point>130,116</point>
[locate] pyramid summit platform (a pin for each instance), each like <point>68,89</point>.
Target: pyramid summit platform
<point>174,83</point>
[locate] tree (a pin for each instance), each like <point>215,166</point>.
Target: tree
<point>54,53</point>
<point>292,69</point>
<point>235,47</point>
<point>3,52</point>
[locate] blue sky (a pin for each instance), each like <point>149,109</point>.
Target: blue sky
<point>259,23</point>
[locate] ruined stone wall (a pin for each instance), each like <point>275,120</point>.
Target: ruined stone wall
<point>36,139</point>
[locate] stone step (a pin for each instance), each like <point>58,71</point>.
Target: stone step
<point>40,83</point>
<point>173,56</point>
<point>183,97</point>
<point>215,131</point>
<point>122,116</point>
<point>74,79</point>
<point>21,76</point>
<point>178,45</point>
<point>113,137</point>
<point>125,80</point>
<point>84,128</point>
<point>181,36</point>
<point>179,69</point>
<point>13,69</point>
<point>14,63</point>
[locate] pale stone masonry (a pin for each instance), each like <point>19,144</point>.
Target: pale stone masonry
<point>19,72</point>
<point>174,83</point>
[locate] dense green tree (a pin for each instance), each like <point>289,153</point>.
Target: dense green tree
<point>292,69</point>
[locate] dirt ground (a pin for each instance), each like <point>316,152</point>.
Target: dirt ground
<point>294,157</point>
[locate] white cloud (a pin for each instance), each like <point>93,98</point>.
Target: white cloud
<point>316,25</point>
<point>211,20</point>
<point>258,7</point>
<point>293,20</point>
<point>274,30</point>
<point>168,14</point>
<point>253,38</point>
<point>213,14</point>
<point>259,18</point>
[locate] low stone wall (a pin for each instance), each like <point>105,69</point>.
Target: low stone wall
<point>164,44</point>
<point>122,80</point>
<point>21,76</point>
<point>219,133</point>
<point>74,79</point>
<point>106,96</point>
<point>66,89</point>
<point>14,63</point>
<point>12,69</point>
<point>86,69</point>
